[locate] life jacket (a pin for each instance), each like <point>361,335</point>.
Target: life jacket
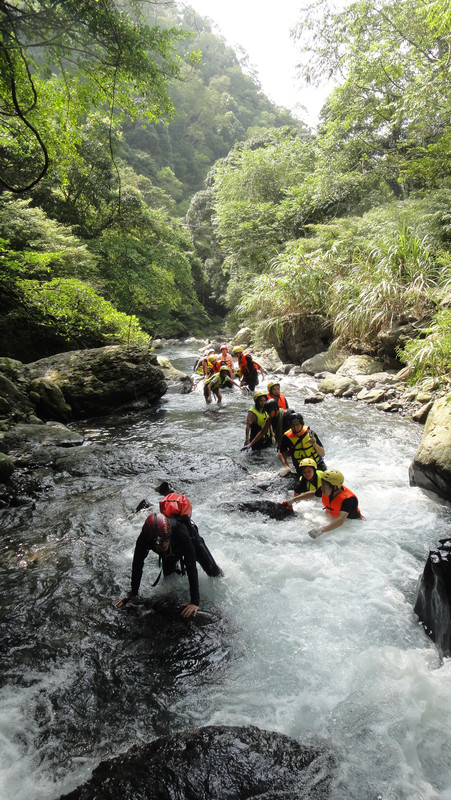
<point>300,447</point>
<point>176,505</point>
<point>208,367</point>
<point>262,416</point>
<point>247,364</point>
<point>222,377</point>
<point>333,506</point>
<point>281,400</point>
<point>314,484</point>
<point>227,360</point>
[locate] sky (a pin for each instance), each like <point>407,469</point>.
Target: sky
<point>263,30</point>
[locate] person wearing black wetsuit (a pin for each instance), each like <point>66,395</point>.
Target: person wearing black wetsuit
<point>177,541</point>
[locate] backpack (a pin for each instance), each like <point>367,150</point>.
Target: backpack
<point>176,505</point>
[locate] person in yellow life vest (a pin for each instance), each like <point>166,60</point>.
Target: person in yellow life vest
<point>202,365</point>
<point>247,369</point>
<point>214,383</point>
<point>338,501</point>
<point>310,483</point>
<point>274,394</point>
<point>276,424</point>
<point>300,442</point>
<point>225,358</point>
<point>256,423</point>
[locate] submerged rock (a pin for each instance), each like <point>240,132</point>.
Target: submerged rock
<point>213,763</point>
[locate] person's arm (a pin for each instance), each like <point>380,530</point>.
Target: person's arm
<point>283,447</point>
<point>249,420</point>
<point>335,523</point>
<point>258,435</point>
<point>315,442</point>
<point>302,496</point>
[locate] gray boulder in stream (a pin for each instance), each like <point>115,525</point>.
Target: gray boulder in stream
<point>213,763</point>
<point>431,467</point>
<point>97,381</point>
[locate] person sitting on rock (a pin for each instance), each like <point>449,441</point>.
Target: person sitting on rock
<point>300,442</point>
<point>338,501</point>
<point>247,369</point>
<point>214,383</point>
<point>274,394</point>
<point>176,540</point>
<point>258,425</point>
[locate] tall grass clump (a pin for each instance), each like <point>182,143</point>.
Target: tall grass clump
<point>431,354</point>
<point>395,283</point>
<point>295,284</point>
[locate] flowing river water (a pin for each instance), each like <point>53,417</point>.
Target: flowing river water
<point>313,638</point>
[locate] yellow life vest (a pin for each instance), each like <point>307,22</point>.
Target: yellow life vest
<point>300,446</point>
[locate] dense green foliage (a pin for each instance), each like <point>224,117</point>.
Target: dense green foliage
<point>117,118</point>
<point>353,223</point>
<point>111,114</point>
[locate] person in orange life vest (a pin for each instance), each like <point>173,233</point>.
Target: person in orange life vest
<point>257,421</point>
<point>276,424</point>
<point>175,538</point>
<point>247,368</point>
<point>339,502</point>
<point>225,358</point>
<point>214,383</point>
<point>300,442</point>
<point>274,394</point>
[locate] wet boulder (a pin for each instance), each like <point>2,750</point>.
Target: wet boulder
<point>433,597</point>
<point>220,762</point>
<point>177,380</point>
<point>268,508</point>
<point>100,380</point>
<point>431,467</point>
<point>327,361</point>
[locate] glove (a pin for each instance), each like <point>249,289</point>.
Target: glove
<point>246,447</point>
<point>285,471</point>
<point>311,438</point>
<point>315,532</point>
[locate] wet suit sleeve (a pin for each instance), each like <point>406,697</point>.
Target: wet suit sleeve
<point>284,445</point>
<point>142,548</point>
<point>183,545</point>
<point>350,505</point>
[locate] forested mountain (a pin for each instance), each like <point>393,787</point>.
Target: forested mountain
<point>118,118</point>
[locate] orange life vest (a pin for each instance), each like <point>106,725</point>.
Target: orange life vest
<point>333,507</point>
<point>281,400</point>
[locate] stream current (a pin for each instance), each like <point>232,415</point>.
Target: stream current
<point>316,639</point>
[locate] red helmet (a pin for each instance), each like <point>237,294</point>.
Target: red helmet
<point>159,526</point>
<point>176,505</point>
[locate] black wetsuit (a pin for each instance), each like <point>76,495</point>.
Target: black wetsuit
<point>186,547</point>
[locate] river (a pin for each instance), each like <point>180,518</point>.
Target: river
<point>313,638</point>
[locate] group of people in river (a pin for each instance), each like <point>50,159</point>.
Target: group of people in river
<point>171,533</point>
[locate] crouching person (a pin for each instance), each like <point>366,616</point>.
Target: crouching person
<point>338,501</point>
<point>177,542</point>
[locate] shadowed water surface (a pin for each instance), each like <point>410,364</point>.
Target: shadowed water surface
<point>314,639</point>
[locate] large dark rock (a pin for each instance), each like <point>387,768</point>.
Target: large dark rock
<point>213,763</point>
<point>433,597</point>
<point>300,338</point>
<point>431,467</point>
<point>95,382</point>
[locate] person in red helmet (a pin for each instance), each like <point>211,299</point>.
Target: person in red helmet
<point>176,540</point>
